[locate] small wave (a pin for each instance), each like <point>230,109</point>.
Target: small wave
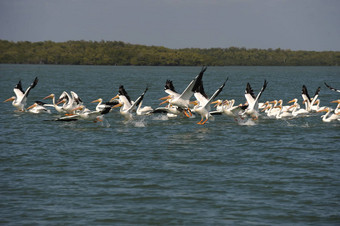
<point>245,122</point>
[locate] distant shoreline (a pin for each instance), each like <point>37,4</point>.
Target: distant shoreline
<point>117,53</point>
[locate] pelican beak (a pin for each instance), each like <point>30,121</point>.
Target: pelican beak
<point>164,98</point>
<point>335,101</point>
<point>32,106</point>
<point>272,102</point>
<point>292,106</point>
<point>166,101</point>
<point>291,101</point>
<point>194,102</point>
<point>78,108</point>
<point>10,99</point>
<point>323,110</point>
<point>62,101</point>
<point>49,96</point>
<point>304,101</point>
<point>98,100</point>
<point>113,98</point>
<point>117,105</point>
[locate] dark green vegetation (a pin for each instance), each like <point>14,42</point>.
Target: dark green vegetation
<point>120,53</point>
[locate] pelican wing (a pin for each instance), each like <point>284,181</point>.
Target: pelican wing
<point>76,98</point>
<point>316,95</point>
<point>19,92</point>
<point>331,88</point>
<point>249,95</point>
<point>139,100</point>
<point>34,83</point>
<point>189,91</point>
<point>261,91</point>
<point>217,92</point>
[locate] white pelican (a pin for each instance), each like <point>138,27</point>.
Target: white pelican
<point>316,107</point>
<point>146,110</point>
<point>203,106</point>
<point>281,113</point>
<point>182,100</point>
<point>252,108</point>
<point>296,111</point>
<point>39,107</point>
<point>20,98</point>
<point>71,102</point>
<point>100,106</point>
<point>333,89</point>
<point>332,117</point>
<point>337,109</point>
<point>229,109</point>
<point>57,108</point>
<point>85,113</point>
<point>170,110</point>
<point>127,106</point>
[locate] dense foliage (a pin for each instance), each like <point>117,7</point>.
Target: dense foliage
<point>120,53</point>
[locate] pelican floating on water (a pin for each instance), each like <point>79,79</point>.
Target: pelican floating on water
<point>39,107</point>
<point>57,107</point>
<point>20,98</point>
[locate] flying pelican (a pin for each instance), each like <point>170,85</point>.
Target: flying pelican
<point>252,108</point>
<point>203,106</point>
<point>333,89</point>
<point>182,100</point>
<point>39,107</point>
<point>20,98</point>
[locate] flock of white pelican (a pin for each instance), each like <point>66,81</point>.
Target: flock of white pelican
<point>179,104</point>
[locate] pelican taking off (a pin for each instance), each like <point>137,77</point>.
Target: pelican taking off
<point>182,100</point>
<point>253,106</point>
<point>20,98</point>
<point>203,106</point>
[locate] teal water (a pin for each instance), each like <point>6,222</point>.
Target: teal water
<point>154,170</point>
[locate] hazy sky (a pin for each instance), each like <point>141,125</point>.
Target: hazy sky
<point>286,24</point>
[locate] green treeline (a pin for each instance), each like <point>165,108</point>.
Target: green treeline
<point>120,53</point>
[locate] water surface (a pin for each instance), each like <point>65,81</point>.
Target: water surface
<point>155,170</point>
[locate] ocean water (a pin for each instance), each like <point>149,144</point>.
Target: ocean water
<point>153,170</point>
